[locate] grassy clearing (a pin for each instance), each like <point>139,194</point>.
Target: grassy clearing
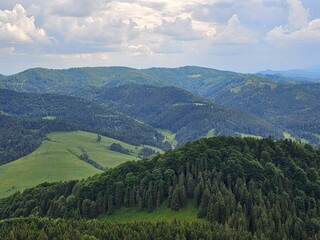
<point>250,135</point>
<point>162,213</point>
<point>210,133</point>
<point>49,118</point>
<point>169,135</point>
<point>54,161</point>
<point>195,76</point>
<point>288,136</point>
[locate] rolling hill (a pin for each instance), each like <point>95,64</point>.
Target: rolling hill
<point>188,116</point>
<point>262,189</point>
<point>58,158</point>
<point>274,101</point>
<point>40,80</point>
<point>39,114</point>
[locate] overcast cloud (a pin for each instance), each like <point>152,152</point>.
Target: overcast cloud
<point>246,36</point>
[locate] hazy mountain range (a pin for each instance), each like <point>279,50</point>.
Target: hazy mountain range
<point>284,105</point>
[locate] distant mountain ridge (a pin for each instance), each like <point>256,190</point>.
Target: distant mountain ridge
<point>274,100</point>
<point>311,74</point>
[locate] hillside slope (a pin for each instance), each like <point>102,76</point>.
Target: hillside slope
<point>59,158</point>
<point>275,101</point>
<point>41,80</point>
<point>181,112</point>
<point>265,187</point>
<point>77,114</point>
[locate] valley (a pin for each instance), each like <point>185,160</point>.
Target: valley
<point>281,103</point>
<point>185,149</point>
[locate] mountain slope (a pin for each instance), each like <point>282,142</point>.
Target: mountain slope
<point>275,101</point>
<point>294,107</point>
<point>48,112</point>
<point>264,187</point>
<point>181,112</point>
<point>20,137</point>
<point>59,158</point>
<point>40,80</point>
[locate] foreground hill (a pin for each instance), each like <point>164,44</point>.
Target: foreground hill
<point>38,114</point>
<point>262,187</point>
<point>37,228</point>
<point>276,101</point>
<point>61,157</point>
<point>188,116</point>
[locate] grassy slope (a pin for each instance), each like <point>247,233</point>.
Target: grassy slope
<point>250,135</point>
<point>170,136</point>
<point>211,133</point>
<point>53,162</point>
<point>288,136</point>
<point>162,213</point>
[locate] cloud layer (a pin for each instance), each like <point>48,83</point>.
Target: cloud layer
<point>239,35</point>
<point>16,26</point>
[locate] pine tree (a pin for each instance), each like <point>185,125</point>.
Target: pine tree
<point>110,205</point>
<point>150,205</point>
<point>175,200</point>
<point>204,203</point>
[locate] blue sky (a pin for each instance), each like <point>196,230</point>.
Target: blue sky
<point>239,35</point>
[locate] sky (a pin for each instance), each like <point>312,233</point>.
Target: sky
<point>237,35</point>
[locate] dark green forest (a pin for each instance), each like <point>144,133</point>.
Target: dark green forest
<point>279,101</point>
<point>266,188</point>
<point>20,136</point>
<point>44,228</point>
<point>70,113</point>
<point>183,113</point>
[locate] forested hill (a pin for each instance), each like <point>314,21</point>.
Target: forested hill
<point>47,112</point>
<point>203,81</point>
<point>181,112</point>
<point>266,187</point>
<point>278,102</point>
<point>67,81</point>
<point>20,137</point>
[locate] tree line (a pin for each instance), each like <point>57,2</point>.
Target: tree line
<point>268,188</point>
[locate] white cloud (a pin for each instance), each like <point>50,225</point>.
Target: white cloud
<point>298,15</point>
<point>164,31</point>
<point>309,33</point>
<point>298,27</point>
<point>179,29</point>
<point>234,33</point>
<point>16,26</point>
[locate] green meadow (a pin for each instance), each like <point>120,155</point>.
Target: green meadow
<point>161,213</point>
<point>57,159</point>
<point>169,135</point>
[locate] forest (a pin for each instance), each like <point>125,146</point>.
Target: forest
<point>263,189</point>
<point>20,136</point>
<point>187,115</point>
<point>280,101</point>
<point>44,228</point>
<point>27,118</point>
